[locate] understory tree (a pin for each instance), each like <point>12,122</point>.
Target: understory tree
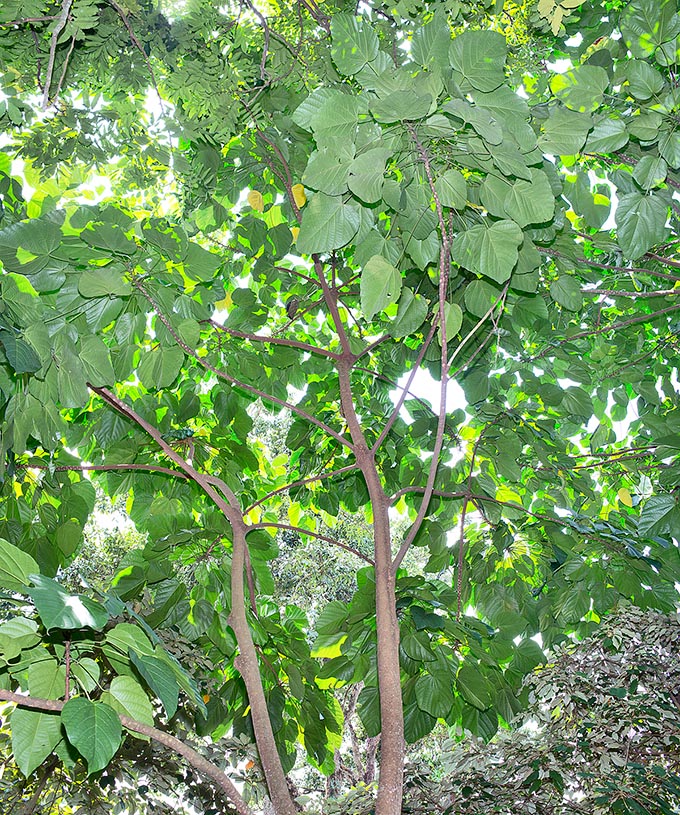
<point>210,211</point>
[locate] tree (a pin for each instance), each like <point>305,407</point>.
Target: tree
<point>304,206</point>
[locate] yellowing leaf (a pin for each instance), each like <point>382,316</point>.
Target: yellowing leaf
<point>295,231</point>
<point>329,651</point>
<point>225,303</point>
<point>254,515</point>
<point>299,195</point>
<point>625,497</point>
<point>256,200</point>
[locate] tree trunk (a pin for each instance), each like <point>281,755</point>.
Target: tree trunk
<point>248,666</point>
<point>391,778</point>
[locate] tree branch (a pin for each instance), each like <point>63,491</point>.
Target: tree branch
<point>318,535</point>
<point>59,26</point>
<point>303,346</point>
<point>196,760</point>
<point>301,483</point>
<point>233,380</point>
<point>106,468</point>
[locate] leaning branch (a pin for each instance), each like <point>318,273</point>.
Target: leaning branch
<point>59,26</point>
<point>196,760</point>
<point>302,346</point>
<point>268,397</point>
<point>293,484</point>
<point>317,535</point>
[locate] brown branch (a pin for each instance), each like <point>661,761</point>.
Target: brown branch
<point>300,483</point>
<point>302,346</point>
<point>138,45</point>
<point>429,491</point>
<point>227,502</point>
<point>234,381</point>
<point>65,68</point>
<point>106,468</point>
<point>26,20</point>
<point>608,266</point>
<point>405,392</point>
<point>288,180</point>
<point>612,327</point>
<point>318,535</point>
<point>60,24</point>
<point>632,294</point>
<point>49,768</point>
<point>196,760</point>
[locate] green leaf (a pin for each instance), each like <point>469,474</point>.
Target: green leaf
<point>34,736</point>
<point>200,264</point>
<point>86,671</point>
<point>327,224</point>
<point>59,609</point>
<point>353,43</point>
<point>109,237</point>
<point>159,368</point>
<point>434,693</point>
<point>473,687</point>
<point>480,296</point>
<point>94,356</point>
<point>453,319</point>
<point>380,286</point>
<point>641,223</point>
<point>15,567</point>
<point>160,678</point>
<point>655,514</point>
<point>567,292</point>
<point>410,315</point>
<point>127,697</point>
<point>431,42</point>
<point>451,189</point>
<point>103,283</point>
<point>17,634</point>
<point>39,236</point>
<point>608,136</point>
<point>368,706</point>
<point>366,174</point>
<point>94,729</point>
<point>564,133</point>
<point>47,679</point>
<point>643,81</point>
<point>491,251</point>
<point>530,202</point>
<point>479,58</point>
<point>650,172</point>
<point>19,353</point>
<point>417,723</point>
<point>582,88</point>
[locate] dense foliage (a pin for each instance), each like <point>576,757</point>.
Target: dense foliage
<point>212,211</point>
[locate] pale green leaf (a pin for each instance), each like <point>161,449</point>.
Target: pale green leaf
<point>327,224</point>
<point>490,251</point>
<point>15,567</point>
<point>34,736</point>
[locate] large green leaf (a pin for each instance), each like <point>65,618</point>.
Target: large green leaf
<point>567,292</point>
<point>581,88</point>
<point>327,224</point>
<point>34,736</point>
<point>479,58</point>
<point>59,609</point>
<point>410,315</point>
<point>47,679</point>
<point>434,693</point>
<point>530,202</point>
<point>641,223</point>
<point>380,286</point>
<point>451,189</point>
<point>491,251</point>
<point>20,354</point>
<point>473,687</point>
<point>159,368</point>
<point>94,729</point>
<point>160,678</point>
<point>15,567</point>
<point>655,513</point>
<point>353,43</point>
<point>127,697</point>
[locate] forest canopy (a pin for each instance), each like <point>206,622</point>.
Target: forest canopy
<point>233,237</point>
